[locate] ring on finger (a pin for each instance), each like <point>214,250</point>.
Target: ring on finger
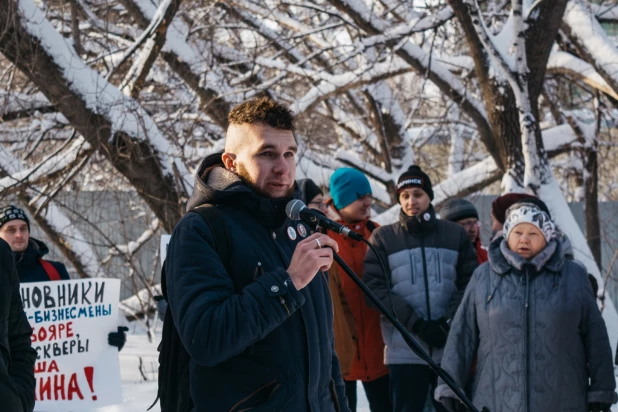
<point>319,244</point>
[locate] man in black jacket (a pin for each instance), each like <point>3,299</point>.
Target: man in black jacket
<point>258,328</point>
<point>16,354</point>
<point>28,254</point>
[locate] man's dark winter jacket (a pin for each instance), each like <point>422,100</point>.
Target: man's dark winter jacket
<point>29,267</point>
<point>537,332</point>
<point>16,354</point>
<point>255,341</point>
<point>430,262</point>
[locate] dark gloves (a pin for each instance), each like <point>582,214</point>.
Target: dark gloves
<point>599,407</point>
<point>432,332</point>
<point>118,339</point>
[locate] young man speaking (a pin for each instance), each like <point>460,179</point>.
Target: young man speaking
<point>258,327</point>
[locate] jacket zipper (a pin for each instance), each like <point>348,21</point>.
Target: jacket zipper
<point>335,397</point>
<point>284,305</point>
<point>422,239</point>
<point>527,340</point>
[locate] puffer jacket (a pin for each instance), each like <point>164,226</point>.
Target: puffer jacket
<point>430,262</point>
<point>16,354</point>
<point>540,339</point>
<point>255,341</point>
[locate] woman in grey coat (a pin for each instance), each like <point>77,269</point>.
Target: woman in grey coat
<point>530,319</point>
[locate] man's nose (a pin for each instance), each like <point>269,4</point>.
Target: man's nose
<point>281,165</point>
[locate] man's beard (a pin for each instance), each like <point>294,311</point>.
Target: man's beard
<point>473,237</point>
<point>242,173</point>
<point>20,249</point>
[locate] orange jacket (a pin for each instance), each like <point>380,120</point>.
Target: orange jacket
<point>368,363</point>
<point>481,252</point>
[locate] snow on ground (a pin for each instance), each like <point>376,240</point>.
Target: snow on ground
<point>139,394</point>
<point>139,385</point>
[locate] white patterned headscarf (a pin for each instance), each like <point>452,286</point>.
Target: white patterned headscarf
<point>524,212</point>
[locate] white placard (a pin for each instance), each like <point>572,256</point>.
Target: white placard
<point>76,369</point>
<point>165,240</point>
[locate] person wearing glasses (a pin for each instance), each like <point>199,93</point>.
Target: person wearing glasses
<point>312,195</point>
<point>464,213</point>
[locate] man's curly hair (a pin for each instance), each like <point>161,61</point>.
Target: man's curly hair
<point>262,110</point>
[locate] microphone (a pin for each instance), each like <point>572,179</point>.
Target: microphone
<point>297,210</point>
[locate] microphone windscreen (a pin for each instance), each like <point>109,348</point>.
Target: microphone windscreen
<point>293,208</point>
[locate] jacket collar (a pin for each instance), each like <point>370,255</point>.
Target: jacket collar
<point>35,251</point>
<point>502,259</point>
<point>218,186</point>
<point>419,224</point>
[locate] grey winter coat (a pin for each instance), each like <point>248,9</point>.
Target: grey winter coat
<point>430,262</point>
<point>537,332</point>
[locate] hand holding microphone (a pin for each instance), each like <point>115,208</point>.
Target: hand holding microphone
<point>312,254</point>
<point>316,251</point>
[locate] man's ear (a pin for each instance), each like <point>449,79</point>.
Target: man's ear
<point>229,161</point>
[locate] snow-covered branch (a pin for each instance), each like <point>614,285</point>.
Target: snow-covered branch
<point>591,41</point>
<point>117,125</point>
<point>474,178</point>
<point>51,219</point>
<point>569,65</point>
<point>422,63</point>
<point>134,306</point>
<point>131,248</point>
<point>15,106</point>
<point>188,62</point>
<point>605,12</point>
<point>155,33</point>
<point>46,169</point>
<point>339,83</point>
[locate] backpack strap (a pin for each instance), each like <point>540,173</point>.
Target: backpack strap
<point>177,394</point>
<point>50,269</point>
<point>220,231</point>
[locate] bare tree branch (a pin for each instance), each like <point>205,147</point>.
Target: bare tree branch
<point>38,50</point>
<point>591,42</point>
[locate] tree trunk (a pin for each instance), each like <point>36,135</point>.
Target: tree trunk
<point>75,28</point>
<point>136,159</point>
<point>591,207</point>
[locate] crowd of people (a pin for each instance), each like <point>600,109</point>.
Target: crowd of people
<point>21,261</point>
<point>270,323</point>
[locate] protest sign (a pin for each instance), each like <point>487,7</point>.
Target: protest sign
<point>76,369</point>
<point>165,241</point>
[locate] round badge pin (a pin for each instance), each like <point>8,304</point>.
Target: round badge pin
<point>301,230</point>
<point>291,233</point>
<point>427,216</point>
